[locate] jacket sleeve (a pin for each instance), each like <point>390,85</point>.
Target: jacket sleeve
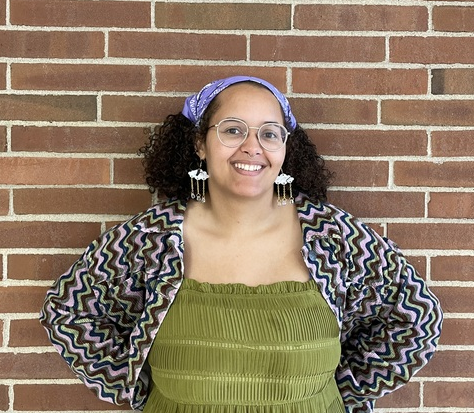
<point>89,314</point>
<point>391,321</point>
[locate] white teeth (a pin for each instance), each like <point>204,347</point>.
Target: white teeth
<point>247,167</point>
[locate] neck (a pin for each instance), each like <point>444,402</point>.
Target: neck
<point>231,215</point>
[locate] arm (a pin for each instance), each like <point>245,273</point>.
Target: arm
<point>89,314</point>
<point>392,321</point>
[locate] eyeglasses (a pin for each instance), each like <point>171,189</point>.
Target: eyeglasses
<point>233,132</point>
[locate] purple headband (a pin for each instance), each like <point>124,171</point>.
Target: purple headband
<point>195,105</point>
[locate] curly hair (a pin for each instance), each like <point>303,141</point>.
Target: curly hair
<point>171,153</point>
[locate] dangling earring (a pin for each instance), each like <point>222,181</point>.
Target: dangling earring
<point>283,180</point>
<point>198,175</point>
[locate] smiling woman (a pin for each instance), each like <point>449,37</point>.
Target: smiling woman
<point>253,295</point>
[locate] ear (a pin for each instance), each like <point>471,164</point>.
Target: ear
<point>201,148</point>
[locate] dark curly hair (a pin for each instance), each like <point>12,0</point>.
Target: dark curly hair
<point>171,153</point>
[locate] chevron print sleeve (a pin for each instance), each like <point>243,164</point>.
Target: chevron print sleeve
<point>91,311</point>
<point>391,321</point>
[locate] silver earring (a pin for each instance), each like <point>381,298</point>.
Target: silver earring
<point>283,180</point>
<point>198,175</point>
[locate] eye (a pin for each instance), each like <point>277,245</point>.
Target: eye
<point>270,133</point>
<point>234,130</point>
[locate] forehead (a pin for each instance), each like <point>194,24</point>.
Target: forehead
<point>248,98</point>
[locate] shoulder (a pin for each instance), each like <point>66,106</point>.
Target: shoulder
<point>127,238</point>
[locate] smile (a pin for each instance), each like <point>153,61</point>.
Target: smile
<point>247,167</point>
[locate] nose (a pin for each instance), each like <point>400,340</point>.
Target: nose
<point>251,146</point>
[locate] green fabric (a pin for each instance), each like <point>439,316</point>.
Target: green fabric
<point>234,348</point>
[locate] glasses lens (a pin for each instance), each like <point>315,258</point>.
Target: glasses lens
<point>272,136</point>
<point>231,132</point>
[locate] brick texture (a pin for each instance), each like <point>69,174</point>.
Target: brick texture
<point>80,77</point>
<point>50,108</point>
<point>453,19</point>
<point>361,18</point>
<point>53,45</point>
<point>44,171</point>
<point>3,76</point>
<point>80,13</point>
<point>384,89</point>
<point>223,16</point>
<point>78,139</point>
<point>38,266</point>
<point>27,333</point>
<point>452,143</point>
<point>177,46</point>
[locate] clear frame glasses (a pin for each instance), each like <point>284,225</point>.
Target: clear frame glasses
<point>233,133</point>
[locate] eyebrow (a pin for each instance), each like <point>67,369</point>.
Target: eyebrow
<point>267,121</point>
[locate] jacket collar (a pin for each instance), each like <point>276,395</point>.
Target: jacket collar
<point>316,218</point>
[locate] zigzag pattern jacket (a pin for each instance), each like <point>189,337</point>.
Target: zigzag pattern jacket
<point>104,312</point>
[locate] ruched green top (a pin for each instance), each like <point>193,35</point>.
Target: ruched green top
<point>231,348</point>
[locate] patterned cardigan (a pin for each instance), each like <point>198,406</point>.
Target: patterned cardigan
<point>104,312</point>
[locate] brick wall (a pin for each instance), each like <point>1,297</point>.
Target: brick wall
<point>386,90</point>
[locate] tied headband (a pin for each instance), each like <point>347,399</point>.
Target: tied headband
<point>195,105</point>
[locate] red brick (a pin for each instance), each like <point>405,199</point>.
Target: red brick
<point>420,265</point>
<point>452,268</point>
<point>139,108</point>
<point>452,81</point>
<point>4,201</point>
<point>80,201</point>
<point>153,45</point>
<point>3,9</point>
<point>432,50</point>
<point>48,108</point>
<point>453,19</point>
<point>426,112</point>
<point>406,396</point>
<point>27,333</point>
<point>449,174</point>
<point>4,397</point>
<point>369,142</point>
<point>54,171</point>
<point>449,363</point>
<point>360,18</point>
<point>452,143</point>
<point>334,111</point>
<point>61,45</point>
<point>3,139</point>
<point>20,300</point>
<point>193,78</point>
<point>437,236</point>
<point>360,81</point>
<point>359,173</point>
<point>3,75</point>
<point>80,77</point>
<point>317,49</point>
<point>1,337</point>
<point>129,171</point>
<point>449,394</point>
<point>458,331</point>
<point>58,397</point>
<point>455,300</point>
<point>38,266</point>
<point>222,16</point>
<point>79,13</point>
<point>33,366</point>
<point>451,205</point>
<point>379,204</point>
<point>47,234</point>
<point>71,139</point>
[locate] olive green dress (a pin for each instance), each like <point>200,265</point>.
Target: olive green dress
<point>231,348</point>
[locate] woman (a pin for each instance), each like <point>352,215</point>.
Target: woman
<point>242,290</point>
